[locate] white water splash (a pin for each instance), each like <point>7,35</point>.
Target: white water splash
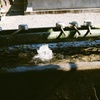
<point>44,53</point>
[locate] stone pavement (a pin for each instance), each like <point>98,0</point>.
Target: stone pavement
<point>47,20</point>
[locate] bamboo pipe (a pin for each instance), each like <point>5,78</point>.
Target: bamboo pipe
<point>26,37</point>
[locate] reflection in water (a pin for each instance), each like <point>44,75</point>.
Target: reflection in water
<point>30,68</point>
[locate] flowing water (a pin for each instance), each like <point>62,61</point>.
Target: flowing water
<point>23,55</point>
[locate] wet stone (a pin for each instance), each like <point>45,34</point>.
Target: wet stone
<point>23,55</point>
<point>98,49</point>
<point>94,57</point>
<point>60,56</point>
<point>85,59</point>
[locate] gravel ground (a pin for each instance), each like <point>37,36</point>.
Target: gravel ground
<point>48,20</point>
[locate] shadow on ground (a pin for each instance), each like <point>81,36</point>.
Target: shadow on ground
<point>50,85</point>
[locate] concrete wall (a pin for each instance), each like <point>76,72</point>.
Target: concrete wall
<point>61,4</point>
